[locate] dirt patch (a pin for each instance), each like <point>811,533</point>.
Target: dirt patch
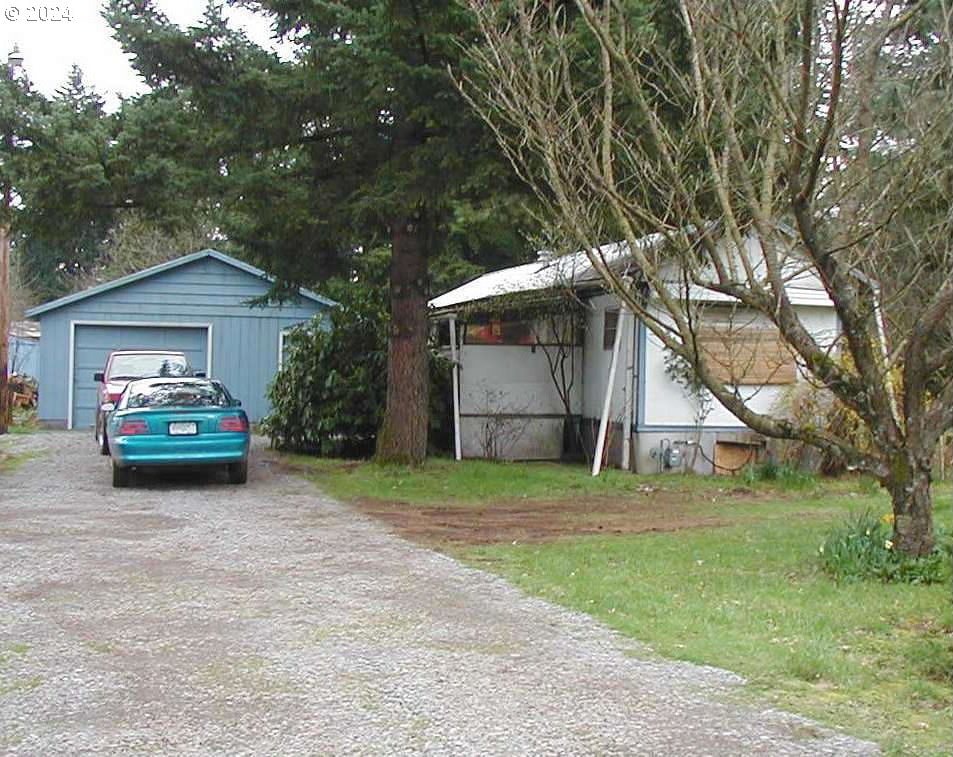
<point>543,520</point>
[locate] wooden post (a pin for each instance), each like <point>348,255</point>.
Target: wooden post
<point>14,61</point>
<point>943,457</point>
<point>4,327</point>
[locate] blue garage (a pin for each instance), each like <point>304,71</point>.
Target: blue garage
<point>199,304</point>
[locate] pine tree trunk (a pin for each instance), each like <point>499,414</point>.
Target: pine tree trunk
<point>403,434</point>
<point>909,487</point>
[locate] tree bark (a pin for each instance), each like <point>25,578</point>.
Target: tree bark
<point>910,493</point>
<point>403,433</point>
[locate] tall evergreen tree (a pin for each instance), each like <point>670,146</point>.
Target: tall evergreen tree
<point>76,170</point>
<point>358,137</point>
<point>64,183</point>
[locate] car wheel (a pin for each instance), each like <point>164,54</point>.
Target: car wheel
<point>238,472</point>
<point>103,442</point>
<point>121,476</point>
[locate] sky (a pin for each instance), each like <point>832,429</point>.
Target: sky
<point>51,47</point>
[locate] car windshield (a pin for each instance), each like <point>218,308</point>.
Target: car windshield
<point>140,366</point>
<point>177,394</point>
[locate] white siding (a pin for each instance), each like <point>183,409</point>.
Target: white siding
<point>512,380</point>
<point>598,358</point>
<point>667,405</point>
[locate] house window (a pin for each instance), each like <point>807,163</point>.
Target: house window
<point>499,331</point>
<point>516,329</point>
<point>609,327</point>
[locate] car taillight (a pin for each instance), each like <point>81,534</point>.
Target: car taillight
<point>131,428</point>
<point>113,396</point>
<point>233,423</point>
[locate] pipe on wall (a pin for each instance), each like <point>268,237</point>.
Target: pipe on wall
<point>628,389</point>
<point>457,450</point>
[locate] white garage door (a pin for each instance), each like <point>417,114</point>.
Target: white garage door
<point>92,345</point>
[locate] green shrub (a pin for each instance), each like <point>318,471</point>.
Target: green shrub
<point>328,398</point>
<point>862,549</point>
<point>783,474</point>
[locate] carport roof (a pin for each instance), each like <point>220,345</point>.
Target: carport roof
<point>161,268</point>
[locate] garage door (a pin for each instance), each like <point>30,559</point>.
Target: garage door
<point>93,344</point>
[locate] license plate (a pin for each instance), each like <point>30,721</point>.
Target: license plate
<point>183,429</point>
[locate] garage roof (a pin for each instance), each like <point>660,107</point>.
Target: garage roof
<point>161,268</point>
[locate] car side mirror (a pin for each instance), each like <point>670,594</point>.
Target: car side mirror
<point>107,407</point>
<point>99,377</point>
<point>236,403</point>
<point>199,374</point>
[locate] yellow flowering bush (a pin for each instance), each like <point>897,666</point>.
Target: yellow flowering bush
<point>863,548</point>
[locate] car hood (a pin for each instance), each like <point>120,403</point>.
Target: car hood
<point>116,387</point>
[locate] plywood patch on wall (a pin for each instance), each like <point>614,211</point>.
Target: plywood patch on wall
<point>749,355</point>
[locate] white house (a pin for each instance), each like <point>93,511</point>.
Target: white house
<point>23,343</point>
<point>510,406</point>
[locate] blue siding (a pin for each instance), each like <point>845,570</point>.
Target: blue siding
<point>244,338</point>
<point>54,365</point>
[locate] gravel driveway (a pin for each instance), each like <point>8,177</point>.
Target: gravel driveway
<point>194,617</point>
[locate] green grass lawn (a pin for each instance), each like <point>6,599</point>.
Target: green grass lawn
<point>445,482</point>
<point>873,659</point>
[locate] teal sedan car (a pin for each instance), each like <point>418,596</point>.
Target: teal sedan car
<point>177,422</point>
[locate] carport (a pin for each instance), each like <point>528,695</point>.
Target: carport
<point>200,304</point>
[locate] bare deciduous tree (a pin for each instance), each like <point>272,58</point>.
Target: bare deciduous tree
<point>137,243</point>
<point>763,144</point>
<point>557,334</point>
<point>504,425</point>
<point>21,297</point>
